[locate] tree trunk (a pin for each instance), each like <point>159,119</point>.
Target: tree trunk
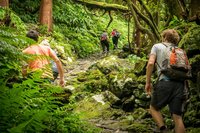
<point>174,8</point>
<point>194,7</point>
<point>129,43</point>
<point>46,17</point>
<point>6,20</point>
<point>157,18</point>
<point>4,3</point>
<point>137,36</point>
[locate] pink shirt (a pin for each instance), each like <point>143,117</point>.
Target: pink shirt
<point>41,60</point>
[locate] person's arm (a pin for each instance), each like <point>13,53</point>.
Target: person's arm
<point>59,66</point>
<point>24,65</point>
<point>24,70</point>
<point>149,70</point>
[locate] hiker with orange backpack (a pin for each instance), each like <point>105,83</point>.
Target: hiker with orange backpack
<point>104,42</point>
<point>169,89</point>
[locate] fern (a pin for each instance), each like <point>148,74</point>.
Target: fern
<point>30,105</point>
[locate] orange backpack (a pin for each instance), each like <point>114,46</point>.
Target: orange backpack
<point>175,65</point>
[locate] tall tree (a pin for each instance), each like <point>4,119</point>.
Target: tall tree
<point>6,21</point>
<point>137,33</point>
<point>4,3</point>
<point>46,17</point>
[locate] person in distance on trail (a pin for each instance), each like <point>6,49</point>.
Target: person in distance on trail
<point>104,42</point>
<point>41,61</point>
<point>166,91</point>
<point>115,36</point>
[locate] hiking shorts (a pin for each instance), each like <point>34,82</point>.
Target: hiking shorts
<point>169,93</point>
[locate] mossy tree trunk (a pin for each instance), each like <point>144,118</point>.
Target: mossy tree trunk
<point>194,7</point>
<point>129,42</point>
<point>186,9</point>
<point>137,35</point>
<point>46,17</point>
<point>140,28</point>
<point>174,7</point>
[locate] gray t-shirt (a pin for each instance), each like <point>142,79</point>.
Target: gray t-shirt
<point>157,50</point>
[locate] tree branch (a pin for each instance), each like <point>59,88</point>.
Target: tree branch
<point>103,5</point>
<point>148,13</point>
<point>111,19</point>
<point>147,21</point>
<point>142,29</point>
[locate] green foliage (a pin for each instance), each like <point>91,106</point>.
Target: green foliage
<point>75,28</point>
<point>15,21</point>
<point>10,55</point>
<point>135,58</point>
<point>43,29</point>
<point>30,105</point>
<point>175,21</point>
<point>72,15</point>
<point>2,13</point>
<point>27,10</point>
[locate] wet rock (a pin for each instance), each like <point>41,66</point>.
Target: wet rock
<point>110,97</point>
<point>128,104</point>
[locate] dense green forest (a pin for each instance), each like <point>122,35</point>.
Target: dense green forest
<point>73,28</point>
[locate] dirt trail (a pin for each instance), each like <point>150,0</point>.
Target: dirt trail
<point>80,65</point>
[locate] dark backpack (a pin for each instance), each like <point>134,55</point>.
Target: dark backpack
<point>117,34</point>
<point>103,37</point>
<point>175,65</point>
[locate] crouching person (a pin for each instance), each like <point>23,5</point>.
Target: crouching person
<point>40,61</point>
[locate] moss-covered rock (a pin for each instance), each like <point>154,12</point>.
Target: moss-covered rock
<point>121,84</point>
<point>93,80</point>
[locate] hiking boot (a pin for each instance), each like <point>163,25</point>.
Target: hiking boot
<point>164,131</point>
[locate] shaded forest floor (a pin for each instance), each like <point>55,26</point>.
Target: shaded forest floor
<point>108,125</point>
<point>82,65</point>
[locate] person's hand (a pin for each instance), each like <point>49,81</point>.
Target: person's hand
<point>62,82</point>
<point>148,88</point>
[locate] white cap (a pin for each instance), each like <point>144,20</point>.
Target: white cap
<point>45,42</point>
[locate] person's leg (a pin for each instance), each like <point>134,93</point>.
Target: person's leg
<point>114,42</point>
<point>103,46</point>
<point>176,106</point>
<point>107,46</point>
<point>157,116</point>
<point>179,126</point>
<point>55,75</point>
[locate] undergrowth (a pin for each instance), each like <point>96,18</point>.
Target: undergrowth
<point>31,104</point>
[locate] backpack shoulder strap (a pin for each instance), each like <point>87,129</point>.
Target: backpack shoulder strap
<point>164,44</point>
<point>172,45</point>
